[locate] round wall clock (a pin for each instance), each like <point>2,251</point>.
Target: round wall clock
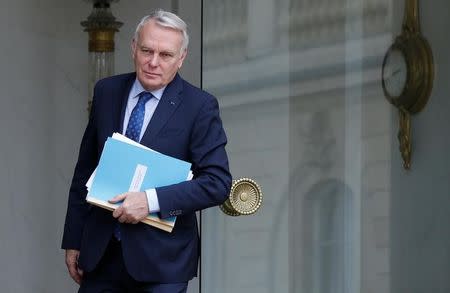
<point>407,75</point>
<point>395,74</point>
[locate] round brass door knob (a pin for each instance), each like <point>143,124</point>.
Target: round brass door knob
<point>245,198</point>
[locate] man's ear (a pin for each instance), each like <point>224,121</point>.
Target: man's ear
<point>133,48</point>
<point>183,56</point>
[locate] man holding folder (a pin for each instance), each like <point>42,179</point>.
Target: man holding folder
<point>114,252</point>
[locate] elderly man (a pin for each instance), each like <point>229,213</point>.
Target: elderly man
<point>114,252</point>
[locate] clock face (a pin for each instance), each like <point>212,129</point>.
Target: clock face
<point>395,73</point>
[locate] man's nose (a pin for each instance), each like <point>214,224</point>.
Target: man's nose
<point>154,61</point>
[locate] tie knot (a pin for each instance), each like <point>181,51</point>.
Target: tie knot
<point>144,97</point>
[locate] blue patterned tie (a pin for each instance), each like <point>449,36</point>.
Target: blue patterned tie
<point>137,117</point>
<point>134,128</point>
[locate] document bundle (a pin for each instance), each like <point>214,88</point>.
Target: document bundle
<point>128,166</point>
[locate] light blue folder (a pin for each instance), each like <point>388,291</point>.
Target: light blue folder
<point>121,165</point>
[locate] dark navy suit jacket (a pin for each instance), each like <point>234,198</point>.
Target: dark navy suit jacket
<point>185,125</point>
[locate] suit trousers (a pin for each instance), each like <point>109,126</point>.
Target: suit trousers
<point>111,275</point>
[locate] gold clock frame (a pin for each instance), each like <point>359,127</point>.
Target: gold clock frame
<point>419,79</point>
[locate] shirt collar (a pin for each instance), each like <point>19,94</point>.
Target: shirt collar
<point>137,88</point>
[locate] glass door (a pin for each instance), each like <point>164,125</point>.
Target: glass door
<point>298,82</point>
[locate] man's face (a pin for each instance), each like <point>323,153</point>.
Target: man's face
<point>157,55</point>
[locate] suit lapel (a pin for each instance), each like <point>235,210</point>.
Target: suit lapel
<point>169,102</point>
<point>121,102</point>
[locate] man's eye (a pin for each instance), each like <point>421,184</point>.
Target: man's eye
<point>145,51</point>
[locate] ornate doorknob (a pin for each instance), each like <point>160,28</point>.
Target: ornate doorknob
<point>245,198</point>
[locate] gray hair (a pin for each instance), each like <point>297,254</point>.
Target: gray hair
<point>165,19</point>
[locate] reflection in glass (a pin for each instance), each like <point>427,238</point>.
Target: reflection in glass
<point>298,83</point>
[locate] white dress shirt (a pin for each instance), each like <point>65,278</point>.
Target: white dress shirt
<point>150,106</point>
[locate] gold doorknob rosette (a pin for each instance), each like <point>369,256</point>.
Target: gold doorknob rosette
<point>245,198</point>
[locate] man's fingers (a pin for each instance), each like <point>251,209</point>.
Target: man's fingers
<point>118,198</point>
<point>73,271</point>
<point>80,272</point>
<point>72,265</point>
<point>123,218</point>
<point>118,212</point>
<point>134,207</point>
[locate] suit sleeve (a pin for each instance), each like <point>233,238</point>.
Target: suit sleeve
<point>212,178</point>
<point>78,208</point>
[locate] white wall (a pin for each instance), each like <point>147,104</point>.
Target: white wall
<point>421,197</point>
<point>42,79</point>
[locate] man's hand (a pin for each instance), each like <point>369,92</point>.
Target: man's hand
<point>72,265</point>
<point>133,209</point>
